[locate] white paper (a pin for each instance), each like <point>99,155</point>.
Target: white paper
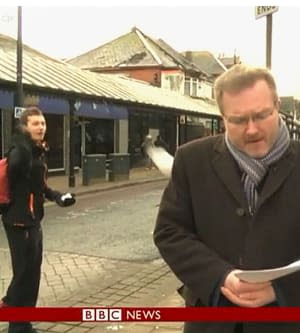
<point>263,275</point>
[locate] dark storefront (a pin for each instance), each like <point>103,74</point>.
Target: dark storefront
<point>54,137</point>
<point>141,123</point>
<point>55,109</point>
<point>99,136</point>
<point>192,127</point>
<point>93,130</point>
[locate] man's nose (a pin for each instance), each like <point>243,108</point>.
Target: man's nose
<point>251,127</point>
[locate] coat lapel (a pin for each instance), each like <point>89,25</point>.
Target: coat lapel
<point>277,174</point>
<point>227,170</point>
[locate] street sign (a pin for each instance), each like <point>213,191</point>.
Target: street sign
<point>18,111</point>
<point>182,119</point>
<point>261,11</point>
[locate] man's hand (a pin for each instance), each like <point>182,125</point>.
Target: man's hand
<point>65,200</point>
<point>247,294</point>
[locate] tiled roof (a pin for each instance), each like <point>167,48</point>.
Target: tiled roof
<point>134,49</point>
<point>127,50</point>
<point>179,58</point>
<point>44,72</point>
<point>206,61</point>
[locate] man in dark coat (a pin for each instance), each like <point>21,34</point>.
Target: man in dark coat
<point>232,204</point>
<point>27,174</point>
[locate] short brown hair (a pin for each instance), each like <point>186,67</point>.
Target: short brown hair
<point>240,77</point>
<point>29,111</point>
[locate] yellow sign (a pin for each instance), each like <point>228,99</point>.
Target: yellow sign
<point>261,11</point>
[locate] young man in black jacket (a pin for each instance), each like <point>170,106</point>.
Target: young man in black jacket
<point>27,174</point>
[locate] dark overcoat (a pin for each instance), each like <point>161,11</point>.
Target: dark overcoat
<point>204,228</point>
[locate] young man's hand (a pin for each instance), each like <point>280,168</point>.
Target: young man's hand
<point>66,199</point>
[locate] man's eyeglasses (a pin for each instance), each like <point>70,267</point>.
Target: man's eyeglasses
<point>255,117</point>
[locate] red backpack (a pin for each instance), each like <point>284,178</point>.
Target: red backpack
<point>4,186</point>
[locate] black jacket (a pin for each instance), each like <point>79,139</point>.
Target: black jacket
<point>27,174</point>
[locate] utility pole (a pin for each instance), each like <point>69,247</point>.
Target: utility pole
<point>267,11</point>
<point>19,94</point>
<point>71,171</point>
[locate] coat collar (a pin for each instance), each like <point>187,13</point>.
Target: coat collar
<point>227,170</point>
<point>24,139</point>
<point>278,172</point>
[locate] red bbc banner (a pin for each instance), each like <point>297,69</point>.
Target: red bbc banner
<point>141,314</point>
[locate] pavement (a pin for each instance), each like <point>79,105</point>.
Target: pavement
<point>70,280</point>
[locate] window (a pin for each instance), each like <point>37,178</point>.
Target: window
<point>187,86</point>
<point>194,87</point>
<point>99,136</point>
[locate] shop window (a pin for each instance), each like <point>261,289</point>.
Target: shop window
<point>99,136</point>
<point>54,138</point>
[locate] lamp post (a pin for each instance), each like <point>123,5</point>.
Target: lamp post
<point>19,92</point>
<point>71,171</point>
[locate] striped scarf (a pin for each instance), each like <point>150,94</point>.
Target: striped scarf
<point>254,169</point>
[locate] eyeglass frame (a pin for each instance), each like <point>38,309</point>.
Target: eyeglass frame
<point>255,118</point>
